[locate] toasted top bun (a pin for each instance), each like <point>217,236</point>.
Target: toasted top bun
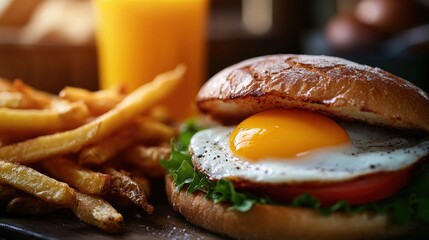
<point>279,222</point>
<point>329,85</point>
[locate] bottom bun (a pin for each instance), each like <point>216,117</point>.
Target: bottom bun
<point>279,222</point>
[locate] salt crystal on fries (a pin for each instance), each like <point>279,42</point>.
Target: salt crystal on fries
<point>71,141</point>
<point>84,180</point>
<point>37,184</point>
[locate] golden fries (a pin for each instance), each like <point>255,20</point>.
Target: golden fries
<point>124,186</point>
<point>97,212</point>
<point>84,180</point>
<point>15,100</point>
<point>142,181</point>
<point>161,114</point>
<point>79,142</point>
<point>147,159</point>
<point>16,120</point>
<point>98,102</point>
<point>135,103</point>
<point>5,85</point>
<point>138,101</point>
<point>106,149</point>
<point>154,131</point>
<point>38,99</point>
<point>144,130</point>
<point>37,184</point>
<point>50,145</point>
<point>72,114</point>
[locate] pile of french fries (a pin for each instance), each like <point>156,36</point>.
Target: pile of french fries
<point>82,150</point>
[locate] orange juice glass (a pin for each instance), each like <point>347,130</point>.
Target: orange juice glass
<point>138,39</point>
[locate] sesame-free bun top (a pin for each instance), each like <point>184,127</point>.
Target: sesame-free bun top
<point>329,85</point>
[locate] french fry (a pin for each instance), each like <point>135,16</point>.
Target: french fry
<point>46,120</point>
<point>147,159</point>
<point>84,180</point>
<point>138,101</point>
<point>124,202</point>
<point>98,102</point>
<point>37,184</point>
<point>29,205</point>
<point>96,126</point>
<point>161,114</point>
<point>13,120</point>
<point>122,185</point>
<point>142,181</point>
<point>71,141</point>
<point>39,99</point>
<point>97,212</point>
<point>151,130</point>
<point>73,114</point>
<point>5,85</point>
<point>106,149</point>
<point>14,100</point>
<point>50,145</point>
<point>145,129</point>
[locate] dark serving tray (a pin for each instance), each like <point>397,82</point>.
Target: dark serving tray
<point>162,224</point>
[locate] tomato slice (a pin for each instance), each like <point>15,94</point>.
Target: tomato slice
<point>357,191</point>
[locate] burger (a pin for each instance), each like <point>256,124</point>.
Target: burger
<point>306,147</point>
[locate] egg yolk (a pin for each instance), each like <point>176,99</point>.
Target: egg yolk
<point>285,133</point>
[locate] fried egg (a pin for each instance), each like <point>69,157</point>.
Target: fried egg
<point>291,146</point>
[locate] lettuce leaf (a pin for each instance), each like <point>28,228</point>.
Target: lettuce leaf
<point>408,205</point>
<point>179,165</point>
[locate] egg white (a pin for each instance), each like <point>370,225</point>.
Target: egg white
<point>373,150</point>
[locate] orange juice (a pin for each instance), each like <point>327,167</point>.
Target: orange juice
<point>138,39</point>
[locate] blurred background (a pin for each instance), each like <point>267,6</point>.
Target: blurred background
<point>51,43</point>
